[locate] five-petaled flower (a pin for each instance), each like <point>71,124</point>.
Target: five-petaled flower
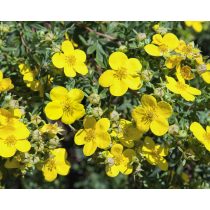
<point>95,134</point>
<point>123,75</point>
<point>71,60</point>
<point>152,115</point>
<point>162,45</point>
<point>56,164</point>
<point>180,87</point>
<point>200,133</point>
<point>127,133</point>
<point>118,160</point>
<point>65,105</point>
<point>155,153</point>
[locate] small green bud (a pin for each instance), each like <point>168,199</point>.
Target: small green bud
<point>141,36</point>
<point>183,133</point>
<point>147,75</point>
<point>97,112</point>
<point>123,49</point>
<point>159,92</point>
<point>94,98</point>
<point>173,129</point>
<point>114,116</point>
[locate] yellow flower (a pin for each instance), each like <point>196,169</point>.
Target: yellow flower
<point>179,87</point>
<point>173,61</point>
<point>189,51</point>
<point>13,163</point>
<point>200,133</point>
<point>206,74</point>
<point>152,115</point>
<point>56,164</point>
<point>93,135</point>
<point>155,153</point>
<point>185,72</point>
<point>65,105</point>
<point>52,129</point>
<point>71,60</point>
<point>5,83</point>
<point>123,75</point>
<point>196,25</point>
<point>162,45</point>
<point>14,137</point>
<point>127,133</point>
<point>119,161</point>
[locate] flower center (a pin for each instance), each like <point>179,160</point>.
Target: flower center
<point>148,117</point>
<point>118,160</point>
<point>163,48</point>
<point>90,135</point>
<point>67,107</point>
<point>121,74</point>
<point>51,164</point>
<point>70,60</point>
<point>10,141</point>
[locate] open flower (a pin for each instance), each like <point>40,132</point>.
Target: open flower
<point>185,72</point>
<point>52,129</point>
<point>56,164</point>
<point>200,133</point>
<point>173,61</point>
<point>5,83</point>
<point>93,135</point>
<point>180,87</point>
<point>152,115</point>
<point>71,60</point>
<point>162,45</point>
<point>123,75</point>
<point>14,137</point>
<point>196,25</point>
<point>127,133</point>
<point>155,153</point>
<point>65,105</point>
<point>119,161</point>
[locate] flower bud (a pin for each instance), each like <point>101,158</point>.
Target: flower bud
<point>147,75</point>
<point>159,92</point>
<point>94,98</point>
<point>173,129</point>
<point>114,116</point>
<point>97,112</point>
<point>201,68</point>
<point>183,133</point>
<point>123,49</point>
<point>141,36</point>
<point>36,119</point>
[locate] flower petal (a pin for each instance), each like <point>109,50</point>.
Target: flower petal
<point>106,78</point>
<point>159,126</point>
<point>193,91</point>
<point>58,93</point>
<point>148,101</point>
<point>89,122</point>
<point>198,131</point>
<point>187,96</point>
<point>117,60</point>
<point>67,47</point>
<point>69,71</point>
<point>149,144</point>
<point>79,137</point>
<point>89,148</point>
<point>76,94</point>
<point>164,109</point>
<point>103,140</point>
<point>81,68</point>
<point>153,50</point>
<point>6,150</point>
<point>58,60</point>
<point>103,124</point>
<point>23,145</point>
<point>118,88</point>
<point>112,171</point>
<point>133,82</point>
<point>134,66</point>
<point>53,110</point>
<point>206,77</point>
<point>171,41</point>
<point>162,164</point>
<point>49,175</point>
<point>117,149</point>
<point>80,55</point>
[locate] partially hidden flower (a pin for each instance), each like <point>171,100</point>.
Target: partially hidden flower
<point>119,160</point>
<point>65,105</point>
<point>181,88</point>
<point>56,164</point>
<point>196,25</point>
<point>127,133</point>
<point>71,60</point>
<point>205,72</point>
<point>152,115</point>
<point>5,83</point>
<point>94,135</point>
<point>201,134</point>
<point>155,153</point>
<point>52,129</point>
<point>124,74</point>
<point>162,45</point>
<point>185,72</point>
